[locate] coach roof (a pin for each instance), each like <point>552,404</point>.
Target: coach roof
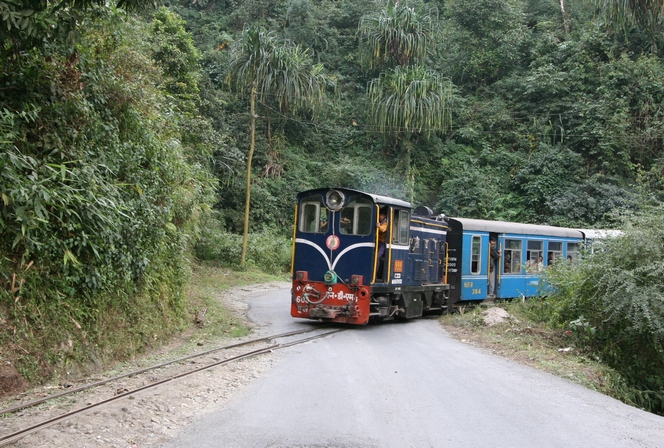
<point>516,228</point>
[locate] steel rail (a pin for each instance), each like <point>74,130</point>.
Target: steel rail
<point>13,437</point>
<point>147,369</point>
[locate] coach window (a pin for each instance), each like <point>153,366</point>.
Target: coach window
<point>555,252</point>
<point>572,251</point>
<point>356,217</point>
<point>400,227</point>
<point>313,215</point>
<point>475,256</point>
<point>512,254</point>
<point>533,254</point>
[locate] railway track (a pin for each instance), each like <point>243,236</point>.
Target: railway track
<point>176,369</point>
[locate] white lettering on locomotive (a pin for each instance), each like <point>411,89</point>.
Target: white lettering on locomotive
<point>350,297</point>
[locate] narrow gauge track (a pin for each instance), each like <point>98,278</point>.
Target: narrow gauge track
<point>15,436</point>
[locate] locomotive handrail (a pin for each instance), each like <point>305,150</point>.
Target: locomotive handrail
<point>294,241</point>
<point>376,261</point>
<point>447,261</point>
<point>388,248</point>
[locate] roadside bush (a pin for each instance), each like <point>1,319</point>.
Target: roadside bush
<point>266,250</point>
<point>97,201</point>
<point>613,302</point>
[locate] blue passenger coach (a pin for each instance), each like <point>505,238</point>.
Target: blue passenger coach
<point>527,250</point>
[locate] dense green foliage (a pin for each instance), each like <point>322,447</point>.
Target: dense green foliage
<point>555,118</point>
<point>98,196</point>
<point>613,302</point>
<point>268,251</point>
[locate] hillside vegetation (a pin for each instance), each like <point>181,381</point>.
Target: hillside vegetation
<point>126,130</point>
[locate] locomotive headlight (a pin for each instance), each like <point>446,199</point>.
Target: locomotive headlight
<point>302,276</point>
<point>356,280</point>
<point>334,200</point>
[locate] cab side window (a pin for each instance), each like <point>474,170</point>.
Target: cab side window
<point>476,255</point>
<point>401,227</point>
<point>534,256</point>
<point>555,251</point>
<point>573,251</point>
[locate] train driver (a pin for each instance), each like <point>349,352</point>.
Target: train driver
<point>381,226</point>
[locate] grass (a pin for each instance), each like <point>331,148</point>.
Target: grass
<point>533,343</point>
<point>209,281</point>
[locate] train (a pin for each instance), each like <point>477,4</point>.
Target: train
<point>430,263</point>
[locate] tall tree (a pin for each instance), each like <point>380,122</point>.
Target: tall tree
<point>398,35</point>
<point>407,98</point>
<point>646,15</point>
<point>273,69</point>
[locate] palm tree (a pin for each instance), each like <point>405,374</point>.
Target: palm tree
<point>411,99</point>
<point>408,100</point>
<point>273,69</point>
<point>644,14</point>
<point>399,35</point>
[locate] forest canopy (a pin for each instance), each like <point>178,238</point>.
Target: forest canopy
<point>552,112</point>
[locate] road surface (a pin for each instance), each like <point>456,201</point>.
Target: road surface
<point>409,385</point>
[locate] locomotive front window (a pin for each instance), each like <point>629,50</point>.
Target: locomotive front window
<point>512,254</point>
<point>313,216</point>
<point>475,256</point>
<point>355,218</point>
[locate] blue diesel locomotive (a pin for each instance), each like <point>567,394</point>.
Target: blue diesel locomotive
<point>429,263</point>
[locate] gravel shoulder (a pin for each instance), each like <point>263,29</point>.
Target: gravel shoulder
<point>151,417</point>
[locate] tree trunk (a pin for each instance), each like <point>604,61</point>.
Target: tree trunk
<point>565,18</point>
<point>249,158</point>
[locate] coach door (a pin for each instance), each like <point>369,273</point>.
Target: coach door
<point>493,270</point>
<point>475,268</point>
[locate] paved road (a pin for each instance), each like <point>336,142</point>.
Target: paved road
<point>410,385</point>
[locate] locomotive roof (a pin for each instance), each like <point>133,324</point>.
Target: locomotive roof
<point>514,227</point>
<point>378,199</point>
